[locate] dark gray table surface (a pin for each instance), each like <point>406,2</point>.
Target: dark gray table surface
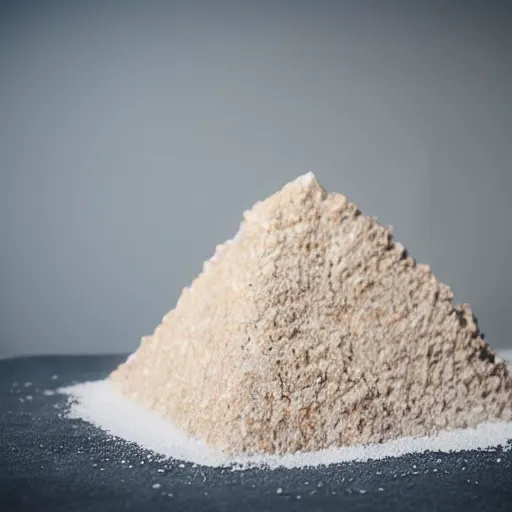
<point>50,462</point>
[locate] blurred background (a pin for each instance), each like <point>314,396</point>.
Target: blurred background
<point>134,134</point>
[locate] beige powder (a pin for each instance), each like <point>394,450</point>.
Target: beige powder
<point>314,329</point>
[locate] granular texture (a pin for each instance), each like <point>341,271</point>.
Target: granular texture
<point>314,329</point>
<point>102,405</point>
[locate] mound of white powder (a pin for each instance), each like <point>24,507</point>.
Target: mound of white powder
<point>310,338</point>
<point>313,329</point>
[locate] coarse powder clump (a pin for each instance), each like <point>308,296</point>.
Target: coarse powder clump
<point>314,329</point>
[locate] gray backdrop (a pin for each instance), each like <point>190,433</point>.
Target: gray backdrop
<point>133,135</point>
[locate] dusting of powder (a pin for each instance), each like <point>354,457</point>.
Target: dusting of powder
<point>311,329</point>
<point>102,405</point>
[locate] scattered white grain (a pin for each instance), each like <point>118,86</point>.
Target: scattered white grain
<point>279,490</point>
<point>100,404</point>
<point>28,384</point>
<point>156,486</point>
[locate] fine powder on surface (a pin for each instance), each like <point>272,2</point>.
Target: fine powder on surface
<point>313,330</point>
<point>102,405</point>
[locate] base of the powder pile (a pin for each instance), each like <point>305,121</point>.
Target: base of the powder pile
<point>102,405</point>
<point>51,462</point>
